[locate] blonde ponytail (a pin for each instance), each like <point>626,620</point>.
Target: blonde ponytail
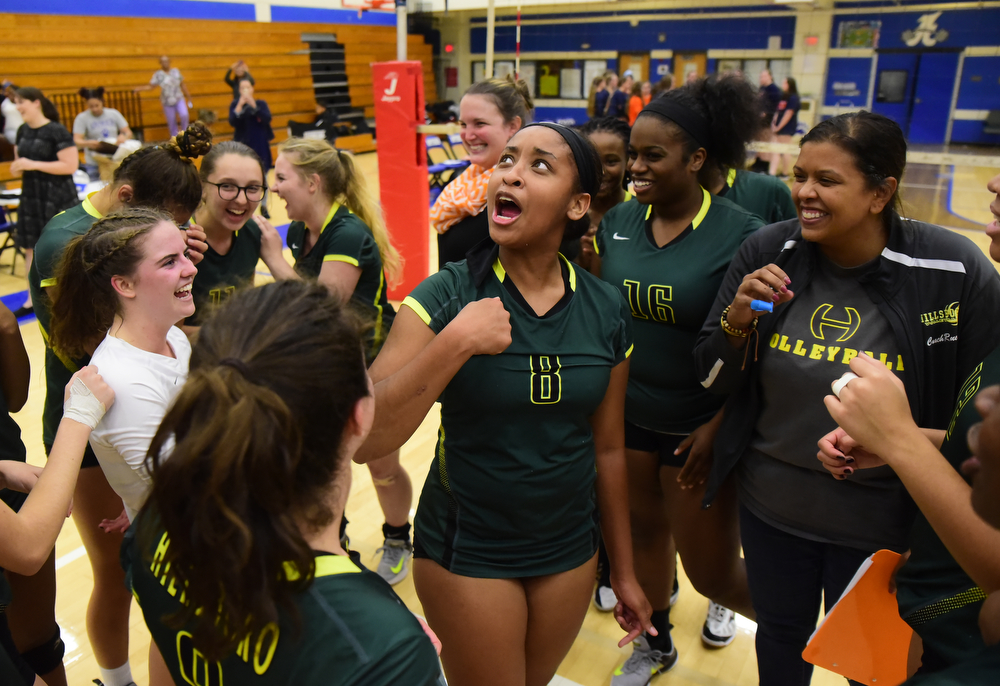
<point>344,183</point>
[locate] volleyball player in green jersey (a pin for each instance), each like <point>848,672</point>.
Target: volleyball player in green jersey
<point>233,184</point>
<point>339,238</point>
<point>766,196</point>
<point>236,558</point>
<point>667,252</point>
<point>529,357</point>
<point>609,136</point>
<point>162,177</point>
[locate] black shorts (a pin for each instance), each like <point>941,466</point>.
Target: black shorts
<point>649,441</point>
<point>13,669</point>
<point>89,457</point>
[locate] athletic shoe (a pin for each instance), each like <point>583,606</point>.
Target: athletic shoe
<point>643,664</point>
<point>395,562</point>
<point>605,598</point>
<point>720,626</point>
<point>676,591</point>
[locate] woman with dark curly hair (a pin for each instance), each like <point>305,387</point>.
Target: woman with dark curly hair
<point>667,252</point>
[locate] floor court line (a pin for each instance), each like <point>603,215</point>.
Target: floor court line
<point>71,556</point>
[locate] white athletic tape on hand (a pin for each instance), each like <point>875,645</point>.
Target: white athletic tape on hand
<point>83,406</point>
<point>839,384</point>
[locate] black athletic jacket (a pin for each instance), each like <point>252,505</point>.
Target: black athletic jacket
<point>923,276</point>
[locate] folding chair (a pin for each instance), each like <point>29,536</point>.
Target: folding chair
<point>458,150</point>
<point>439,163</point>
<point>8,226</point>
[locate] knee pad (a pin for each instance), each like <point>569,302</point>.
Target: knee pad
<point>388,481</point>
<point>48,656</point>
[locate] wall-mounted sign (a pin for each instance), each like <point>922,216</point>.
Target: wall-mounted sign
<point>858,34</point>
<point>926,33</point>
<point>845,89</point>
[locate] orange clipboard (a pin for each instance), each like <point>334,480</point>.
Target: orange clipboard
<point>862,637</point>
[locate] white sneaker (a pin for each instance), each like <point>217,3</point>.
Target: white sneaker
<point>605,598</point>
<point>720,626</point>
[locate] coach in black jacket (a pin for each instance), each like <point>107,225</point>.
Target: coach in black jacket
<point>923,301</point>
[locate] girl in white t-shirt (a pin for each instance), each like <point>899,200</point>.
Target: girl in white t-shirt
<point>129,278</point>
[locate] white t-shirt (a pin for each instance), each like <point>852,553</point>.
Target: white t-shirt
<point>103,128</point>
<point>144,384</point>
<point>12,119</point>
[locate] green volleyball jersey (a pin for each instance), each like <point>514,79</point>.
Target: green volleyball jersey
<point>354,630</point>
<point>670,291</point>
<point>220,275</point>
<point>766,196</point>
<point>510,491</point>
<point>981,670</point>
<point>60,230</point>
<point>935,595</point>
<point>345,238</point>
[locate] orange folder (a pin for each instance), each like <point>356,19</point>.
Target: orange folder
<point>862,637</point>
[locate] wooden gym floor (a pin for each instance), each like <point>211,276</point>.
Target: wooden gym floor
<point>953,197</point>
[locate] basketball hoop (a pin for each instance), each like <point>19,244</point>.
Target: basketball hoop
<point>366,5</point>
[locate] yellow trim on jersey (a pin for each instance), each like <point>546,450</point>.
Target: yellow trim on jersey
<point>706,204</point>
<point>326,565</point>
<point>731,178</point>
<point>67,362</point>
<point>628,196</point>
<point>329,217</point>
<point>597,251</point>
<point>628,353</point>
<point>499,270</point>
<point>378,296</point>
<point>89,208</point>
<point>418,309</point>
<point>341,258</point>
<point>572,273</point>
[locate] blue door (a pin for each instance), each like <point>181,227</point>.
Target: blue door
<point>932,97</point>
<point>895,79</point>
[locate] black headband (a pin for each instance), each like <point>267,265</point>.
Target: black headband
<point>578,145</point>
<point>696,125</point>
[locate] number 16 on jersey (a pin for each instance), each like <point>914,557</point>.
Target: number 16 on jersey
<point>546,384</point>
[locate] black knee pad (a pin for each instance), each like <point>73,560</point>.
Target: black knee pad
<point>46,657</point>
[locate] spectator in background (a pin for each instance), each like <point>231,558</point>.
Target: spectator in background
<point>618,98</point>
<point>46,159</point>
<point>597,86</point>
<point>236,73</point>
<point>251,122</point>
<point>663,85</point>
<point>602,99</point>
<point>174,95</point>
<point>691,76</point>
<point>11,117</point>
<point>95,126</point>
<point>770,96</point>
<point>642,93</point>
<point>783,124</point>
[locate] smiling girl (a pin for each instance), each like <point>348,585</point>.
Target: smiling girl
<point>507,525</point>
<point>854,277</point>
<point>489,114</point>
<point>338,237</point>
<point>233,185</point>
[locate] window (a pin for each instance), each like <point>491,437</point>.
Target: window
<point>892,85</point>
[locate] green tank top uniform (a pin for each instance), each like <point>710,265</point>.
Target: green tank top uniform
<point>670,290</point>
<point>354,628</point>
<point>345,238</point>
<point>510,491</point>
<point>766,196</point>
<point>220,275</point>
<point>56,235</point>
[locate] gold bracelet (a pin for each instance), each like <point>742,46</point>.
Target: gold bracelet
<point>733,331</point>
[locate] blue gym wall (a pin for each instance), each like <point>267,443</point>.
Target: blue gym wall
<point>979,87</point>
<point>195,9</point>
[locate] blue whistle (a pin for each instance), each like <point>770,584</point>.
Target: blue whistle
<point>761,306</point>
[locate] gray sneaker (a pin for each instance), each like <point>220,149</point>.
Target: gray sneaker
<point>395,562</point>
<point>643,664</point>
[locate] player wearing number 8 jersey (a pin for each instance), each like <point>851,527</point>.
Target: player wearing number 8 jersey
<point>529,356</point>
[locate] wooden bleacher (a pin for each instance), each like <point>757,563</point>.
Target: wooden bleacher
<point>63,53</point>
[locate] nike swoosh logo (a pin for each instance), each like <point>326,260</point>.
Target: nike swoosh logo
<point>295,246</point>
<point>398,567</point>
<point>620,238</point>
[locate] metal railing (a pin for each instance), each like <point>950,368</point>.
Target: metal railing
<point>125,101</point>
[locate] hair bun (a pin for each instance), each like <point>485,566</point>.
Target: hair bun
<point>194,141</point>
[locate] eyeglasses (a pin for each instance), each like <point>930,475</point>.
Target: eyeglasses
<point>230,191</point>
